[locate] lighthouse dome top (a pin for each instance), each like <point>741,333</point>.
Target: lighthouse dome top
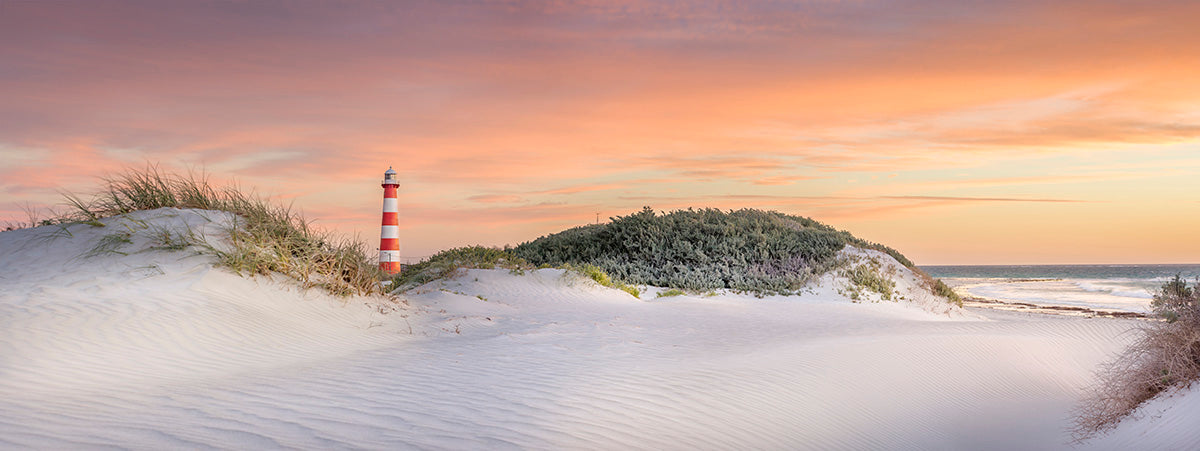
<point>389,177</point>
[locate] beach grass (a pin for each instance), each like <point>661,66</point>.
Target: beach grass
<point>868,276</point>
<point>600,277</point>
<point>941,289</point>
<point>264,236</point>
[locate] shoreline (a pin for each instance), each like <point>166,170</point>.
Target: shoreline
<point>1041,295</point>
<point>1058,310</point>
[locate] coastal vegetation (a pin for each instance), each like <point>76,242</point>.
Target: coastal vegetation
<point>701,250</point>
<point>941,289</point>
<point>690,250</point>
<point>263,237</point>
<point>868,276</point>
<point>669,293</point>
<point>698,251</point>
<point>1165,357</point>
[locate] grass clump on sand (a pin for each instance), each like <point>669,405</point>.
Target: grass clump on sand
<point>1166,356</point>
<point>868,276</point>
<point>599,276</point>
<point>264,237</point>
<point>669,293</point>
<point>702,250</point>
<point>941,289</point>
<point>39,218</point>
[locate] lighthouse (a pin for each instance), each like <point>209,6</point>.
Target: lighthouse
<point>389,235</point>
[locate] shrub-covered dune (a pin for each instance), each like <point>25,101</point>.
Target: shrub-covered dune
<point>699,250</point>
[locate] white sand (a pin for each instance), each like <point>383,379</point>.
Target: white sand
<point>158,349</point>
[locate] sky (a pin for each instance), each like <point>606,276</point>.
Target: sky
<point>956,131</point>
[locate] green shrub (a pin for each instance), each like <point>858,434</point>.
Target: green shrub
<point>669,293</point>
<point>702,250</point>
<point>1175,300</point>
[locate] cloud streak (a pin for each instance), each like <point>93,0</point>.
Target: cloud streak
<point>980,199</point>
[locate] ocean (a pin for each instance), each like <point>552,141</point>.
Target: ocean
<point>1105,287</point>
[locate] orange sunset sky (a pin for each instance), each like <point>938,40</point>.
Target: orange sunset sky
<point>958,132</point>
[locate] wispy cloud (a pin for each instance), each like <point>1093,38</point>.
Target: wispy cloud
<point>496,198</point>
<point>582,188</point>
<point>980,199</point>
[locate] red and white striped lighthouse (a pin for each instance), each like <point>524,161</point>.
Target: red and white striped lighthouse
<point>389,235</point>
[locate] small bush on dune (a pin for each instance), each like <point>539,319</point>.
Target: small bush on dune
<point>1166,356</point>
<point>1176,301</point>
<point>265,237</point>
<point>669,293</point>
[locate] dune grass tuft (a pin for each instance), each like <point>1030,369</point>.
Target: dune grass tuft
<point>265,237</point>
<point>938,287</point>
<point>598,275</point>
<point>36,217</point>
<point>868,276</point>
<point>941,289</point>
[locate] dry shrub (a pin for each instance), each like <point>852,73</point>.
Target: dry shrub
<point>1166,356</point>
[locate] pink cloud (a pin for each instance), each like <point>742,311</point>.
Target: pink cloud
<point>583,188</point>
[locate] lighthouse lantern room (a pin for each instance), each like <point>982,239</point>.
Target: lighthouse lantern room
<point>389,234</point>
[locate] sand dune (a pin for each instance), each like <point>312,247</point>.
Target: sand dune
<point>157,349</point>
